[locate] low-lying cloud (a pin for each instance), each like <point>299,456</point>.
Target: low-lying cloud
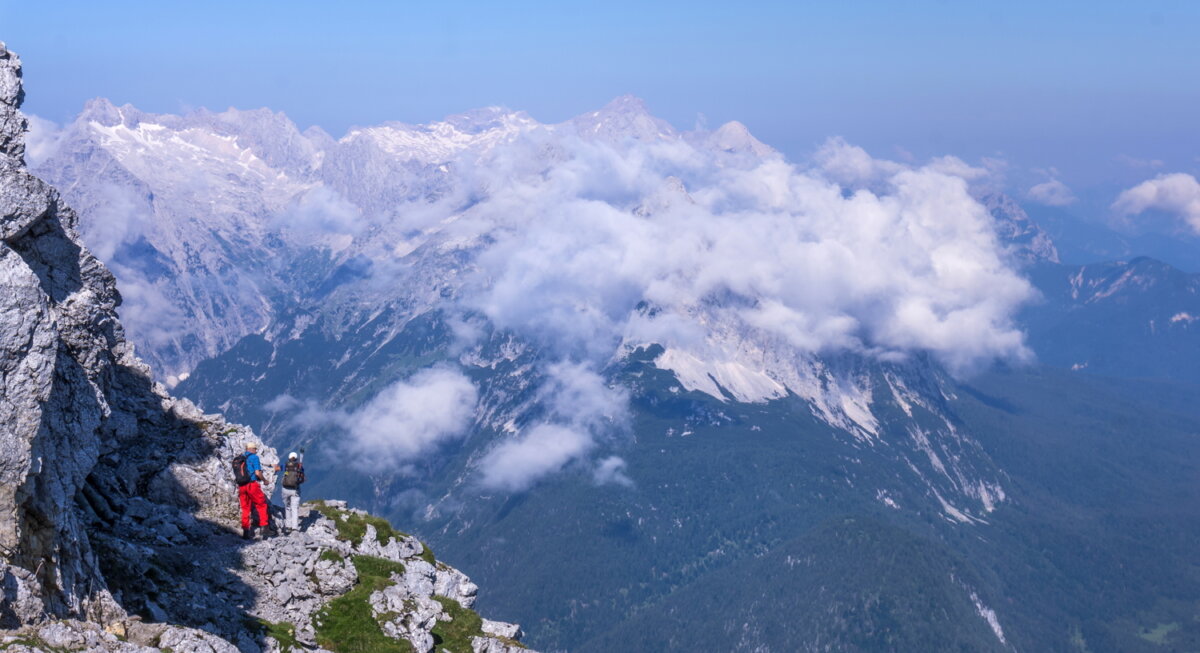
<point>583,246</point>
<point>584,241</point>
<point>581,410</point>
<point>517,464</point>
<point>575,249</point>
<point>1177,194</point>
<point>321,211</point>
<point>42,139</point>
<point>405,421</point>
<point>1051,193</point>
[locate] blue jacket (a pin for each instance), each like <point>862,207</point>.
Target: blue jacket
<point>253,465</point>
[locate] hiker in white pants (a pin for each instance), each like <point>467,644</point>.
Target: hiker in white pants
<point>293,477</point>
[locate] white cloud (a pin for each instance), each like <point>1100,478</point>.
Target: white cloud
<point>582,246</point>
<point>580,408</point>
<point>956,167</point>
<point>1177,194</point>
<point>155,319</point>
<point>515,465</point>
<point>1051,193</point>
<point>42,139</point>
<point>322,211</point>
<point>120,216</point>
<point>572,251</point>
<point>612,470</point>
<point>571,240</point>
<point>851,165</point>
<point>406,420</point>
<point>412,418</point>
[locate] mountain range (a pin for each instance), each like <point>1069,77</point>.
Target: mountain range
<point>667,387</point>
<point>118,518</point>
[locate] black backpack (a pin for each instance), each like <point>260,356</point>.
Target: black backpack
<point>293,475</point>
<point>240,475</point>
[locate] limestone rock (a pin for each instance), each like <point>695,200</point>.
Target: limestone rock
<point>501,629</point>
<point>491,645</point>
<point>417,614</point>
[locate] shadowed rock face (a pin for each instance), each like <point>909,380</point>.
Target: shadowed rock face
<point>82,426</point>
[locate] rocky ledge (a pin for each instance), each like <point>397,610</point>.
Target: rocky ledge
<point>118,512</point>
<point>346,581</point>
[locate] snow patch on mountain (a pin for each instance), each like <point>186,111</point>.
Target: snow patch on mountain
<point>442,141</point>
<point>711,377</point>
<point>989,615</point>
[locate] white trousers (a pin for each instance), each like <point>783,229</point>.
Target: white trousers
<point>291,508</point>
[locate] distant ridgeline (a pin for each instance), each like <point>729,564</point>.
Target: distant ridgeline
<point>118,509</point>
<point>663,390</point>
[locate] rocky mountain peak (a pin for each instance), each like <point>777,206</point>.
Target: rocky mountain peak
<point>733,136</point>
<point>624,118</point>
<point>1027,241</point>
<point>102,110</point>
<point>12,123</point>
<point>477,121</point>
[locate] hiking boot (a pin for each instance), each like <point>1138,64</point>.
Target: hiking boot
<point>247,534</point>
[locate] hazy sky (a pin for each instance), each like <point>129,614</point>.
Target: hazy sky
<point>1100,90</point>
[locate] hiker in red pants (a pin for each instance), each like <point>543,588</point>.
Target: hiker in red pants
<point>248,471</point>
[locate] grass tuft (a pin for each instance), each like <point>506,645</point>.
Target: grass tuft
<point>347,625</point>
<point>455,635</point>
<point>283,632</point>
<point>331,555</point>
<point>427,554</point>
<point>352,527</point>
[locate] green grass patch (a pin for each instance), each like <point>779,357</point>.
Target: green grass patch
<point>373,567</point>
<point>427,554</point>
<point>1158,634</point>
<point>352,527</point>
<point>346,624</point>
<point>331,555</point>
<point>31,642</point>
<point>455,635</point>
<point>284,633</point>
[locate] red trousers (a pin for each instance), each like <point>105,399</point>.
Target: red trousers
<point>251,496</point>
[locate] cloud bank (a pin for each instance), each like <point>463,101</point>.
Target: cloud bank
<point>575,249</point>
<point>1177,194</point>
<point>585,245</point>
<point>405,421</point>
<point>581,409</point>
<point>614,230</point>
<point>1051,193</point>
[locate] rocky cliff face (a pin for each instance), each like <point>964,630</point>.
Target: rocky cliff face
<point>117,505</point>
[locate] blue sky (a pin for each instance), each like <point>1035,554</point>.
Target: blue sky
<point>1093,89</point>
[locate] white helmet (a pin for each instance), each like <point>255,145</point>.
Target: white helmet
<point>293,456</point>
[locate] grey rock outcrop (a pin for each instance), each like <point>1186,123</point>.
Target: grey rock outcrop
<point>1025,239</point>
<point>118,511</point>
<point>94,456</point>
